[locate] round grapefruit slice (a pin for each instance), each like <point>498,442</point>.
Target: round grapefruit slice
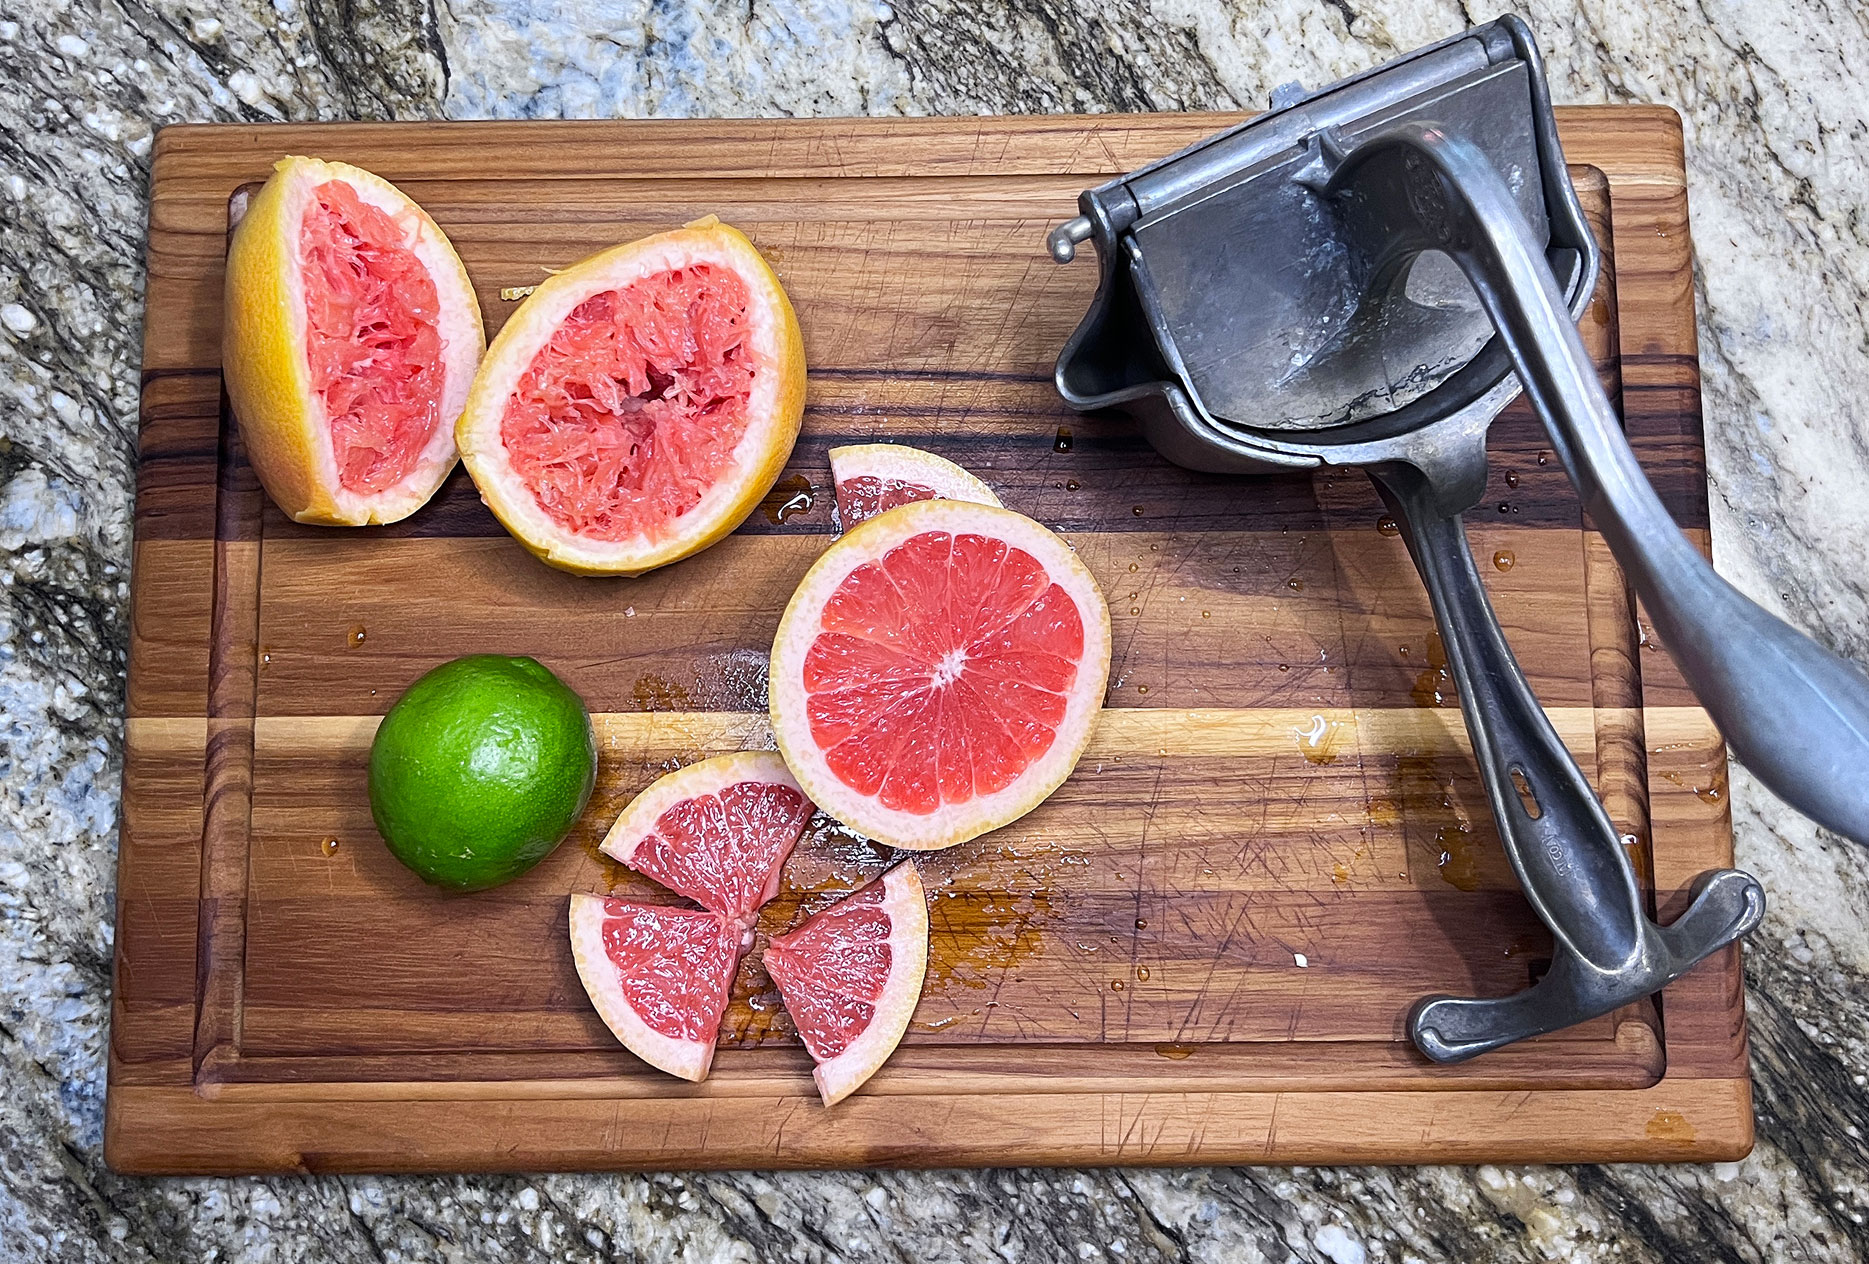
<point>851,975</point>
<point>636,406</point>
<point>658,976</point>
<point>351,336</point>
<point>872,477</point>
<point>938,672</point>
<point>717,831</point>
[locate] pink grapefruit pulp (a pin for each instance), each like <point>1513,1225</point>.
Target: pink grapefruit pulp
<point>372,339</point>
<point>636,404</point>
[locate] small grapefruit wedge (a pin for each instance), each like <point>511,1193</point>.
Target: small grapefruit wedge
<point>351,336</point>
<point>658,976</point>
<point>717,831</point>
<point>872,477</point>
<point>637,405</point>
<point>851,975</point>
<point>938,672</point>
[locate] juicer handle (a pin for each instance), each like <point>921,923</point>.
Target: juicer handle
<point>1794,713</point>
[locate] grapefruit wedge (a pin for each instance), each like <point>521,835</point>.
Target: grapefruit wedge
<point>636,406</point>
<point>851,975</point>
<point>938,671</point>
<point>351,336</point>
<point>717,831</point>
<point>659,977</point>
<point>872,477</point>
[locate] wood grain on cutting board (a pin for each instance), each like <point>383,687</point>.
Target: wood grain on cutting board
<point>1200,949</point>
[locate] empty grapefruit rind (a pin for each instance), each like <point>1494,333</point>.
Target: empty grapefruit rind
<point>685,1059</point>
<point>945,479</point>
<point>268,376</point>
<point>951,824</point>
<point>774,408</point>
<point>908,953</point>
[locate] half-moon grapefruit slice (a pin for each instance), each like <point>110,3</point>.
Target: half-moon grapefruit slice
<point>938,672</point>
<point>851,975</point>
<point>636,406</point>
<point>350,341</point>
<point>717,831</point>
<point>872,477</point>
<point>658,976</point>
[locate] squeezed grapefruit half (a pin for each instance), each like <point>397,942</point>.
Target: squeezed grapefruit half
<point>851,975</point>
<point>938,672</point>
<point>350,340</point>
<point>717,831</point>
<point>637,405</point>
<point>873,477</point>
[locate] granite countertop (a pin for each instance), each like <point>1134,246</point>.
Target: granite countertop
<point>1778,157</point>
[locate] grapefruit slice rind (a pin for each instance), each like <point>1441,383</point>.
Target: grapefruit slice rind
<point>334,237</point>
<point>658,976</point>
<point>873,477</point>
<point>637,405</point>
<point>717,831</point>
<point>851,976</point>
<point>938,672</point>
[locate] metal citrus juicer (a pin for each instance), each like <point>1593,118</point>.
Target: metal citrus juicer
<point>1365,276</point>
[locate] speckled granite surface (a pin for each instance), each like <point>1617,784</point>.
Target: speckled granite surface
<point>1778,126</point>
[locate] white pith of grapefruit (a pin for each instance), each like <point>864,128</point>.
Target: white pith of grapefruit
<point>850,982</point>
<point>945,644</point>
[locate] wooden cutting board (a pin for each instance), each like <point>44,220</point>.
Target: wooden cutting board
<point>1200,950</point>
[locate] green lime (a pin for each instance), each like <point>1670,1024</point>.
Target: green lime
<point>480,770</point>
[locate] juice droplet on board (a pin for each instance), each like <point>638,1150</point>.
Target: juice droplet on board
<point>1174,1052</point>
<point>1062,443</point>
<point>1318,740</point>
<point>354,637</point>
<point>330,846</point>
<point>1503,560</point>
<point>1458,860</point>
<point>1434,687</point>
<point>1512,478</point>
<point>789,498</point>
<point>1387,526</point>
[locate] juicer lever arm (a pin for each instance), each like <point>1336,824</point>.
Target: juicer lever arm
<point>1794,713</point>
